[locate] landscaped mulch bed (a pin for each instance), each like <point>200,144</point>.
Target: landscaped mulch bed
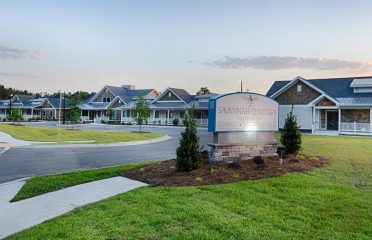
<point>164,173</point>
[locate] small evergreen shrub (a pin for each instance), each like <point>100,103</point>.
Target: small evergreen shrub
<point>175,121</point>
<point>259,161</point>
<point>291,134</point>
<point>188,153</point>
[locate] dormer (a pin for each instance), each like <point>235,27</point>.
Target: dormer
<point>362,85</point>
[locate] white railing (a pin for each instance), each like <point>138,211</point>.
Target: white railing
<point>202,121</point>
<point>27,116</point>
<point>100,119</point>
<point>164,121</point>
<point>355,127</point>
<point>84,118</point>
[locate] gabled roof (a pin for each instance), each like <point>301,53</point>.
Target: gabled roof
<point>25,98</point>
<point>123,93</point>
<point>55,102</point>
<point>336,88</point>
<point>181,94</point>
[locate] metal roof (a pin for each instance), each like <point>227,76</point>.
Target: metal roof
<point>361,82</point>
<point>356,101</point>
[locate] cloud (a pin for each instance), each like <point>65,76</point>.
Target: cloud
<point>7,52</point>
<point>17,75</point>
<point>288,62</point>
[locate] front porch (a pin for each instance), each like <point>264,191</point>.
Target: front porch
<point>166,117</point>
<point>342,120</point>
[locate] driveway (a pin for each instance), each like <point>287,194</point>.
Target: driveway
<point>18,163</point>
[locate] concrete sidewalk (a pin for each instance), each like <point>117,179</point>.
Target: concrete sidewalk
<point>11,141</point>
<point>18,216</point>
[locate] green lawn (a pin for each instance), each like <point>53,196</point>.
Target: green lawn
<point>334,202</point>
<point>43,184</point>
<point>42,134</point>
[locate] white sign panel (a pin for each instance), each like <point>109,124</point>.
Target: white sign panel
<point>246,112</point>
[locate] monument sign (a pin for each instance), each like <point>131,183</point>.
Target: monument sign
<point>243,126</point>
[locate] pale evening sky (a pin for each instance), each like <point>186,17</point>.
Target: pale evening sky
<point>83,45</point>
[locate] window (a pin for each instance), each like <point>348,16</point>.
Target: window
<point>299,88</point>
<point>198,115</point>
<point>157,114</point>
<point>182,114</point>
<point>170,94</point>
<point>170,114</point>
<point>106,99</point>
<point>128,113</point>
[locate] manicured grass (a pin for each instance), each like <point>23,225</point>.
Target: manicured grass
<point>43,184</point>
<point>41,134</point>
<point>329,203</point>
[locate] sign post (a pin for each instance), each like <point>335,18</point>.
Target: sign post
<point>243,126</point>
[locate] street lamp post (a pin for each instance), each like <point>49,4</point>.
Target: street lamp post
<point>59,117</point>
<point>10,105</point>
<point>241,85</point>
<point>64,108</point>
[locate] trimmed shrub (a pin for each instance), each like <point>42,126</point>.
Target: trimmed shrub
<point>259,161</point>
<point>175,121</point>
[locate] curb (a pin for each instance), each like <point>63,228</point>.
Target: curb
<point>160,139</point>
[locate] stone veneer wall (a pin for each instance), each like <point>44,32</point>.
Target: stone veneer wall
<point>292,96</point>
<point>355,115</point>
<point>232,152</point>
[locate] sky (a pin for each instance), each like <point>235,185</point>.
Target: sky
<point>46,46</point>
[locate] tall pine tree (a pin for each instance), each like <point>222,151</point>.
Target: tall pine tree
<point>188,153</point>
<point>291,134</point>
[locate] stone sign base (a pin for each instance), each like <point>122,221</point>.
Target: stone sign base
<point>242,145</point>
<point>232,152</point>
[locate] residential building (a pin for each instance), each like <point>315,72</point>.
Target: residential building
<point>174,102</point>
<point>31,107</point>
<point>328,106</point>
<point>117,98</point>
<point>164,107</point>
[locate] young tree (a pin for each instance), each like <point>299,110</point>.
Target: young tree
<point>141,111</point>
<point>188,153</point>
<point>110,114</point>
<point>291,134</point>
<point>74,113</point>
<point>16,115</point>
<point>202,91</point>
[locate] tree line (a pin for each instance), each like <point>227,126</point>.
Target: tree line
<point>6,93</point>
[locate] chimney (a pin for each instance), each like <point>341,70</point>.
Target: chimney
<point>129,87</point>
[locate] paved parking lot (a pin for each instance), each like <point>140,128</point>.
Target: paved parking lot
<point>26,162</point>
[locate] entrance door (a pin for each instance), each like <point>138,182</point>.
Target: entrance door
<point>332,120</point>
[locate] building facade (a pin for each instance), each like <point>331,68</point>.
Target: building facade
<point>326,106</point>
<point>34,108</point>
<point>171,104</point>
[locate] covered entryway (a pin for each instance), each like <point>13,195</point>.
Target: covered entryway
<point>332,120</point>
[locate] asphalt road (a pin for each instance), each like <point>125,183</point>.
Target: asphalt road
<point>18,163</point>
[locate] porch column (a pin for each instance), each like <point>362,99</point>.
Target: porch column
<point>32,112</point>
<point>153,115</point>
<point>313,125</point>
<point>339,119</point>
<point>370,119</point>
<point>55,113</point>
<point>168,117</point>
